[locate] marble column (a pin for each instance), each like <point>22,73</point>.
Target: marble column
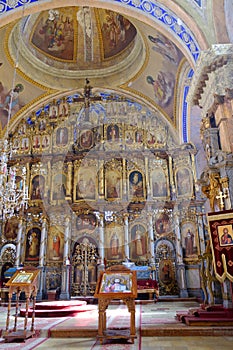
<point>43,242</point>
<point>151,240</point>
<point>126,234</point>
<point>101,242</point>
<point>200,226</point>
<point>171,178</point>
<point>65,287</point>
<point>41,267</point>
<point>69,180</point>
<point>227,294</point>
<point>181,277</point>
<point>19,244</point>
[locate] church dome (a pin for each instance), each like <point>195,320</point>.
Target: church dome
<point>72,42</point>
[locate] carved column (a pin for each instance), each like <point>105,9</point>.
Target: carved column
<point>69,180</point>
<point>101,242</point>
<point>181,277</point>
<point>171,178</point>
<point>151,240</point>
<point>200,226</point>
<point>101,179</point>
<point>148,189</point>
<point>44,233</point>
<point>227,294</point>
<point>124,179</point>
<point>65,288</point>
<point>19,243</point>
<point>126,232</point>
<point>43,242</point>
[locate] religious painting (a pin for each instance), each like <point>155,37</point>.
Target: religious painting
<point>225,235</point>
<point>59,187</point>
<point>151,138</point>
<point>55,244</point>
<point>184,182</point>
<point>86,139</point>
<point>220,227</point>
<point>22,129</point>
<point>112,132</point>
<point>136,185</point>
<point>117,32</point>
<point>139,136</point>
<point>190,241</point>
<point>113,181</point>
<point>163,87</point>
<point>85,187</point>
<point>129,136</point>
<point>42,125</point>
<point>86,222</point>
<point>139,242</point>
<point>22,277</point>
<point>116,282</point>
<point>162,224</point>
<point>36,142</point>
<point>159,183</point>
<point>54,33</point>
<point>166,272</point>
<point>45,141</point>
<point>37,187</point>
<point>25,144</point>
<point>33,239</point>
<point>62,136</point>
<point>63,109</point>
<point>114,241</point>
<point>53,111</point>
<point>16,144</point>
<point>9,97</point>
<point>11,228</point>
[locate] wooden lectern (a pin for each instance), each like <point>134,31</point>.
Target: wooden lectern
<point>117,282</point>
<point>24,280</point>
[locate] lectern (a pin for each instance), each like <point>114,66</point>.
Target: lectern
<point>117,282</point>
<point>24,280</point>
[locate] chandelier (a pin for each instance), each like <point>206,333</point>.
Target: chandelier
<point>13,188</point>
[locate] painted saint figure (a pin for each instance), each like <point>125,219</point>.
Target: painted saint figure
<point>138,243</point>
<point>114,244</point>
<point>226,237</point>
<point>33,250</point>
<point>189,242</point>
<point>56,246</point>
<point>136,185</point>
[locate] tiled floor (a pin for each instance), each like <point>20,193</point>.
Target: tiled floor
<point>71,332</point>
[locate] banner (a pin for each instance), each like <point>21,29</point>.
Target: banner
<point>221,241</point>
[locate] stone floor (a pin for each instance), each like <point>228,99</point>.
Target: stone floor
<point>156,326</point>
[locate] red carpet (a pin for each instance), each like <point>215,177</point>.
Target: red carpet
<point>210,316</point>
<point>59,308</point>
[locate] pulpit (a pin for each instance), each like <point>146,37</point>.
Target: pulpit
<point>117,282</point>
<point>24,280</point>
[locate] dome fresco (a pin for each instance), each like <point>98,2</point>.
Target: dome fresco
<point>78,36</point>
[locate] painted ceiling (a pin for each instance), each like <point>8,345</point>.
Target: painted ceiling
<point>55,50</point>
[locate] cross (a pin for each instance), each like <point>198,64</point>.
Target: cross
<point>221,196</point>
<point>87,98</point>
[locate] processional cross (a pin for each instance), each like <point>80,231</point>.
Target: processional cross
<point>87,98</point>
<point>221,196</point>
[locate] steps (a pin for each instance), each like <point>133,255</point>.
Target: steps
<point>58,308</point>
<point>206,316</point>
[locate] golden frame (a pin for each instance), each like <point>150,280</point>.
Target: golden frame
<point>116,282</point>
<point>23,277</point>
